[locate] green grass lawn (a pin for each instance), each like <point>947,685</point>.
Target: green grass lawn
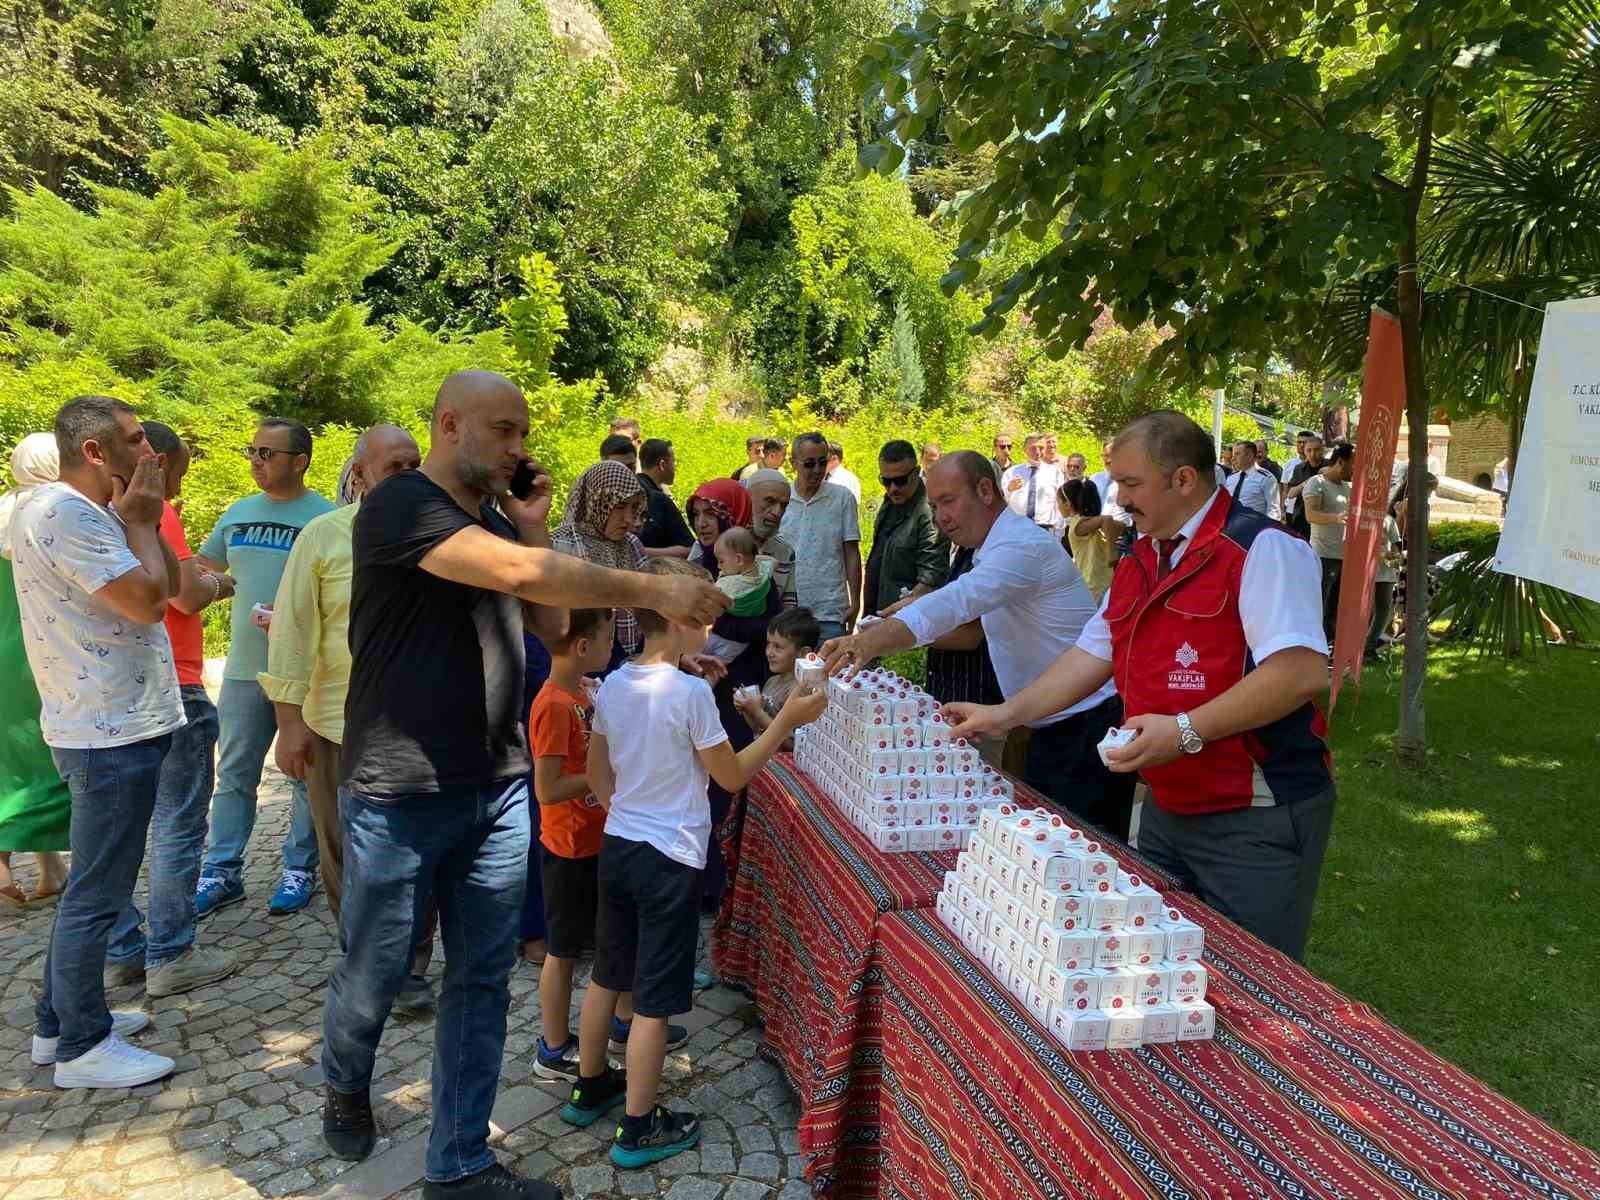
<point>1461,901</point>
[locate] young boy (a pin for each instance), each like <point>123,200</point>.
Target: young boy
<point>789,635</point>
<point>571,823</point>
<point>656,741</point>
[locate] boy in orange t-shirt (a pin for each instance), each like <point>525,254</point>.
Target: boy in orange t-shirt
<point>572,823</point>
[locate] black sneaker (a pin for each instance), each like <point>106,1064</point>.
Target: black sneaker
<point>347,1124</point>
<point>665,1134</point>
<point>593,1098</point>
<point>492,1183</point>
<point>416,996</point>
<point>677,1035</point>
<point>558,1066</point>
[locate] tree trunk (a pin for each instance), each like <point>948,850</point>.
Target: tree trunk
<point>1413,739</point>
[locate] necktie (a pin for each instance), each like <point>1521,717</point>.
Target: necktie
<point>1165,547</point>
<point>1033,491</point>
<point>1238,483</point>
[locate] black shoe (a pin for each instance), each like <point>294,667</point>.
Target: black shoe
<point>492,1183</point>
<point>666,1134</point>
<point>416,996</point>
<point>347,1124</point>
<point>677,1035</point>
<point>593,1098</point>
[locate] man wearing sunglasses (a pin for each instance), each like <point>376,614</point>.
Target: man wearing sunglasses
<point>251,541</point>
<point>822,525</point>
<point>910,557</point>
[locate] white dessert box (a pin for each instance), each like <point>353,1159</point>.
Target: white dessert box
<point>1160,1024</point>
<point>1197,1021</point>
<point>1124,1029</point>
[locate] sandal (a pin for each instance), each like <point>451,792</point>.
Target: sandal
<point>11,897</point>
<point>49,897</point>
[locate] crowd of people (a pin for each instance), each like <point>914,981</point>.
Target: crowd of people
<point>525,741</point>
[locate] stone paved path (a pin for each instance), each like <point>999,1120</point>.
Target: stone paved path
<point>240,1117</point>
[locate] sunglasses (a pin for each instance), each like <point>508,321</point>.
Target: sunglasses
<point>264,453</point>
<point>894,481</point>
<point>811,464</point>
<point>1002,445</point>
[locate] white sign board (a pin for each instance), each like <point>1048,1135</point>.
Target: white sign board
<point>1552,529</point>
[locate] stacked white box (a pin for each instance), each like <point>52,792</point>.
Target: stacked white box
<point>882,752</point>
<point>1095,953</point>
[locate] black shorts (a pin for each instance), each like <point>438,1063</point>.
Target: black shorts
<point>571,899</point>
<point>648,927</point>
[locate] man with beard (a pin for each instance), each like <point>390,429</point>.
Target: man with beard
<point>769,498</point>
<point>435,765</point>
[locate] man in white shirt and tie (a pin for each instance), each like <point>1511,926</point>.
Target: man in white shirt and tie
<point>1032,604</point>
<point>1251,485</point>
<point>1030,487</point>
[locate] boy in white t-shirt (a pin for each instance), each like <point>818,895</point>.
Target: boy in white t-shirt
<point>655,743</point>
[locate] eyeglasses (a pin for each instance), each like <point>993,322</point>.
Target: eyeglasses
<point>894,481</point>
<point>264,453</point>
<point>811,464</point>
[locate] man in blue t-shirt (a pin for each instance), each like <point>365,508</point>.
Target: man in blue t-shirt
<point>251,542</point>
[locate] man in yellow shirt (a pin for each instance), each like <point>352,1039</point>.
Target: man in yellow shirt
<point>308,663</point>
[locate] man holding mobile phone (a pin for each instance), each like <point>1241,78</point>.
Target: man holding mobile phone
<point>449,563</point>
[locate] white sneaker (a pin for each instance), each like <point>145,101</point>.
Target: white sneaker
<point>113,1064</point>
<point>123,1024</point>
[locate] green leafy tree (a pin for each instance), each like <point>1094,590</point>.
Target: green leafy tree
<point>1215,168</point>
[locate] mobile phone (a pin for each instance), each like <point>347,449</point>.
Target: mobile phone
<point>522,480</point>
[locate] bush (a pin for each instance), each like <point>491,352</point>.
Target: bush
<point>1450,537</point>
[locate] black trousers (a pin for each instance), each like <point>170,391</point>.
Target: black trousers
<point>1063,763</point>
<point>1332,573</point>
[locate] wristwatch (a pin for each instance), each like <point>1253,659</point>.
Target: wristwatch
<point>1191,741</point>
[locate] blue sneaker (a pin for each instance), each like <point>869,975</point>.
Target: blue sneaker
<point>214,892</point>
<point>592,1099</point>
<point>559,1065</point>
<point>677,1035</point>
<point>294,892</point>
<point>650,1139</point>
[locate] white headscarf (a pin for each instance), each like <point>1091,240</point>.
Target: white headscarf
<point>33,463</point>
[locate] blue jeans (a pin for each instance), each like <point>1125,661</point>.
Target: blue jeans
<point>469,847</point>
<point>113,796</point>
<point>531,925</point>
<point>247,723</point>
<point>828,630</point>
<point>179,835</point>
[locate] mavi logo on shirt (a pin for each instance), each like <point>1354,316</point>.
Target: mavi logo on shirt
<point>263,535</point>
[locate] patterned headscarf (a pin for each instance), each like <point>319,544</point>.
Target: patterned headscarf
<point>34,462</point>
<point>599,490</point>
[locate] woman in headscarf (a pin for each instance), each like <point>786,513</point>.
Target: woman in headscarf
<point>715,507</point>
<point>35,809</point>
<point>602,511</point>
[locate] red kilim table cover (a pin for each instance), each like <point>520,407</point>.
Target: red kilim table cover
<point>1303,1093</point>
<point>798,931</point>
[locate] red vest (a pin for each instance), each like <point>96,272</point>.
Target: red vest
<point>1177,644</point>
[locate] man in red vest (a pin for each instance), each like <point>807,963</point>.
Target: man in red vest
<point>1212,630</point>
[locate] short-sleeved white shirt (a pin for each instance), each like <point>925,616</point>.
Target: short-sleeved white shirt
<point>1280,594</point>
<point>655,719</point>
<point>103,680</point>
<point>818,530</point>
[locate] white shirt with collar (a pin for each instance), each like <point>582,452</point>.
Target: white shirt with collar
<point>843,476</point>
<point>1032,602</point>
<point>1107,487</point>
<point>1280,594</point>
<point>1257,489</point>
<point>1046,479</point>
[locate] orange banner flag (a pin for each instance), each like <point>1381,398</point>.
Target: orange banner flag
<point>1383,406</point>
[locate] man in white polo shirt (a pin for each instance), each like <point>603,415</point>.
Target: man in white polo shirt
<point>1033,604</point>
<point>1252,485</point>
